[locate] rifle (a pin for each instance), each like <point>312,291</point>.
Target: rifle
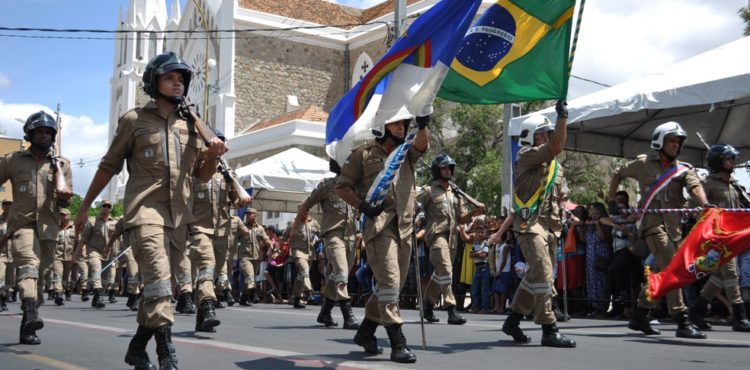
<point>61,186</point>
<point>207,133</point>
<point>468,197</point>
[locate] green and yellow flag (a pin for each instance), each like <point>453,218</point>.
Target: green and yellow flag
<point>517,51</point>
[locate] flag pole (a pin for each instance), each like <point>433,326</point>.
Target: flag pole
<point>574,43</point>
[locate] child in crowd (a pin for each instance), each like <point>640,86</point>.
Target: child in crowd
<point>481,283</point>
<point>500,268</point>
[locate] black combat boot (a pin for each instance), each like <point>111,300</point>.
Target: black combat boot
<point>685,328</point>
<point>97,302</point>
<point>552,338</point>
<point>68,294</point>
<point>112,296</point>
<point>429,312</point>
<point>50,294</point>
<point>698,314</point>
<point>165,349</point>
<point>84,295</point>
<point>512,327</point>
<point>13,296</point>
<point>298,303</point>
<point>365,337</point>
<point>324,317</point>
<point>132,302</point>
<point>640,322</point>
<point>245,299</point>
<point>229,297</point>
<point>206,319</point>
<point>740,318</point>
<point>399,351</point>
<point>254,295</point>
<point>137,355</point>
<point>59,300</point>
<point>454,318</point>
<point>185,303</point>
<point>30,322</point>
<point>350,322</point>
<point>3,303</point>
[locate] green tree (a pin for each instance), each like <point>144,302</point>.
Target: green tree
<point>75,205</point>
<point>744,13</point>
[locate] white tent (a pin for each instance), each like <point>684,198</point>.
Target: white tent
<point>708,93</point>
<point>282,181</point>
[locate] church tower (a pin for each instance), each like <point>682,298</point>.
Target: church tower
<point>144,22</point>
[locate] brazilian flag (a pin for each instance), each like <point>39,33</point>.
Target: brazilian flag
<point>517,51</point>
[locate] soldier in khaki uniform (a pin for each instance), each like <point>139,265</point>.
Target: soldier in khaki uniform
<point>163,151</point>
<point>34,219</point>
<point>93,240</point>
<point>388,229</point>
<point>539,188</point>
<point>253,243</point>
<point>339,231</point>
<point>723,191</point>
<point>4,255</point>
<point>302,245</point>
<point>81,273</point>
<point>134,281</point>
<point>444,211</point>
<point>64,254</point>
<point>662,232</point>
<point>223,282</point>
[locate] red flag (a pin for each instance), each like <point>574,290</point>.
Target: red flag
<point>717,238</point>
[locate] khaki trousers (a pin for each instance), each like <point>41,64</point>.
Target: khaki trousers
<point>134,281</point>
<point>302,282</point>
<point>152,245</point>
<point>3,267</point>
<point>535,291</point>
<point>81,273</point>
<point>95,262</point>
<point>201,256</point>
<point>388,256</point>
<point>339,252</point>
<point>441,257</point>
<point>65,268</point>
<point>249,269</point>
<point>663,250</point>
<point>221,252</point>
<point>725,278</point>
<point>25,251</point>
<point>180,263</point>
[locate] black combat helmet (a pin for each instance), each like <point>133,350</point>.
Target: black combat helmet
<point>442,160</point>
<point>36,120</point>
<point>716,155</point>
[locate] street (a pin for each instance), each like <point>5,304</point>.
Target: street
<point>267,336</point>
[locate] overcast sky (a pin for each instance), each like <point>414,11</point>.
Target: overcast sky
<point>618,40</point>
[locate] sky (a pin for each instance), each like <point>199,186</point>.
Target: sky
<point>618,40</point>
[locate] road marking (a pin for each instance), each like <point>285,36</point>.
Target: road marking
<point>299,359</point>
<point>42,359</point>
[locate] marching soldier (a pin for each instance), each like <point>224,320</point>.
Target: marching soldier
<point>539,184</point>
<point>93,240</point>
<point>34,219</point>
<point>302,245</point>
<point>223,282</point>
<point>5,262</point>
<point>253,243</point>
<point>338,230</point>
<point>134,281</point>
<point>81,273</point>
<point>444,211</point>
<point>662,178</point>
<point>163,151</point>
<point>389,228</point>
<point>64,253</point>
<point>723,191</point>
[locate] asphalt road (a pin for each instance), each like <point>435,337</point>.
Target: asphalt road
<point>266,336</point>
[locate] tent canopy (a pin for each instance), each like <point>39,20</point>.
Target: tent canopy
<point>708,93</point>
<point>283,181</point>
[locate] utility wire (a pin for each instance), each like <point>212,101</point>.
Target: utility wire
<point>242,30</point>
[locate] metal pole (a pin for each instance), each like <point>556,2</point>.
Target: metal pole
<point>507,199</point>
<point>399,16</point>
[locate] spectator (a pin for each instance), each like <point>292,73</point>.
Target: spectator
<point>574,258</point>
<point>598,258</point>
<point>275,261</point>
<point>500,268</point>
<point>480,285</point>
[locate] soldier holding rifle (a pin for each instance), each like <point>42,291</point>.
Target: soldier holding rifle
<point>163,150</point>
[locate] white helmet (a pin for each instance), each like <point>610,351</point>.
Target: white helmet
<point>670,128</point>
<point>532,125</point>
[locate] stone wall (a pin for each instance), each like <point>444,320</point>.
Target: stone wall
<point>267,69</point>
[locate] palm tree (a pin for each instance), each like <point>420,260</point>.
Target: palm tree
<point>744,13</point>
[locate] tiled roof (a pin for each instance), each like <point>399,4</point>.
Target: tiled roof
<point>321,12</point>
<point>311,113</point>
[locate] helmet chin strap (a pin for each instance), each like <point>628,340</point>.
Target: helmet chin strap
<point>41,146</point>
<point>176,100</point>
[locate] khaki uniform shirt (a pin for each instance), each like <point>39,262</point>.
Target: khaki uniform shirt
<point>211,206</point>
<point>337,214</point>
<point>162,157</point>
<point>34,192</point>
<point>304,236</point>
<point>646,169</point>
<point>65,243</point>
<point>442,209</point>
<point>97,233</point>
<point>359,172</point>
<point>722,194</point>
<point>250,241</point>
<point>531,170</point>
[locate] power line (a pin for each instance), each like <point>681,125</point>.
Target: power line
<point>592,81</point>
